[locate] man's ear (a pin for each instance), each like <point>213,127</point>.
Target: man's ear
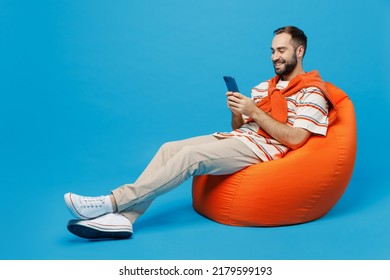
<point>300,51</point>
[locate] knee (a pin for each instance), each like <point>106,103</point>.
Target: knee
<point>185,153</point>
<point>167,146</point>
<point>169,149</point>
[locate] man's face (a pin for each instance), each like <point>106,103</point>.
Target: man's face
<point>283,56</point>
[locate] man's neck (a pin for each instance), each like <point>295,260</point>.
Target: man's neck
<point>298,70</point>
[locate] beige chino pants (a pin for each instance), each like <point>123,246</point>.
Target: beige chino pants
<point>176,162</point>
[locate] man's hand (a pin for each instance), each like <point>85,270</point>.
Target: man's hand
<point>237,117</point>
<point>240,105</point>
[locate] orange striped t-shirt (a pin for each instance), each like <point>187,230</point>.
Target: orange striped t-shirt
<point>307,109</point>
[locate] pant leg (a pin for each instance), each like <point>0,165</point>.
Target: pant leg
<point>165,152</point>
<point>168,150</point>
<point>216,157</point>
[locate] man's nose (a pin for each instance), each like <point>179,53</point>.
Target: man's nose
<point>275,56</point>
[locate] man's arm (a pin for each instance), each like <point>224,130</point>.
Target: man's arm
<point>292,137</point>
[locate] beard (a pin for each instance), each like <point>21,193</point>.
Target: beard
<point>286,66</point>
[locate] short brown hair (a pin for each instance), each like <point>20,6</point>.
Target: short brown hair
<point>298,37</point>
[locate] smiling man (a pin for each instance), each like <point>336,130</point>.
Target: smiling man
<point>281,115</point>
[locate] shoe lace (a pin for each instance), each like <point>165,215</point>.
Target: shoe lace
<point>92,202</point>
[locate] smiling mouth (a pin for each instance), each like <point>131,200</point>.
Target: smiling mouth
<point>278,64</point>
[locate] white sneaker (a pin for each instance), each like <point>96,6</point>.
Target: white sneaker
<point>113,225</point>
<point>85,207</point>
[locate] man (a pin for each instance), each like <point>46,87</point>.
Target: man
<point>281,115</point>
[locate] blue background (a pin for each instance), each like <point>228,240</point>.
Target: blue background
<point>90,89</point>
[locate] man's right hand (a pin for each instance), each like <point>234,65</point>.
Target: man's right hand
<point>237,117</point>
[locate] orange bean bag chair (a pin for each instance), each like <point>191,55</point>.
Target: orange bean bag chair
<point>301,187</point>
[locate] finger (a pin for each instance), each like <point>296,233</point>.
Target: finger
<point>237,95</point>
<point>233,104</point>
<point>233,100</point>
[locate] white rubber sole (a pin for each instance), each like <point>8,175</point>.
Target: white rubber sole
<point>96,231</point>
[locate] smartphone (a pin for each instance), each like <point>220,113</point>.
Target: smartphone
<point>231,83</point>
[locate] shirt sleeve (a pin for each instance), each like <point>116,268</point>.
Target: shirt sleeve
<point>260,91</point>
<point>312,111</point>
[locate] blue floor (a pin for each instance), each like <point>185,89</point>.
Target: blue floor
<point>90,89</point>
